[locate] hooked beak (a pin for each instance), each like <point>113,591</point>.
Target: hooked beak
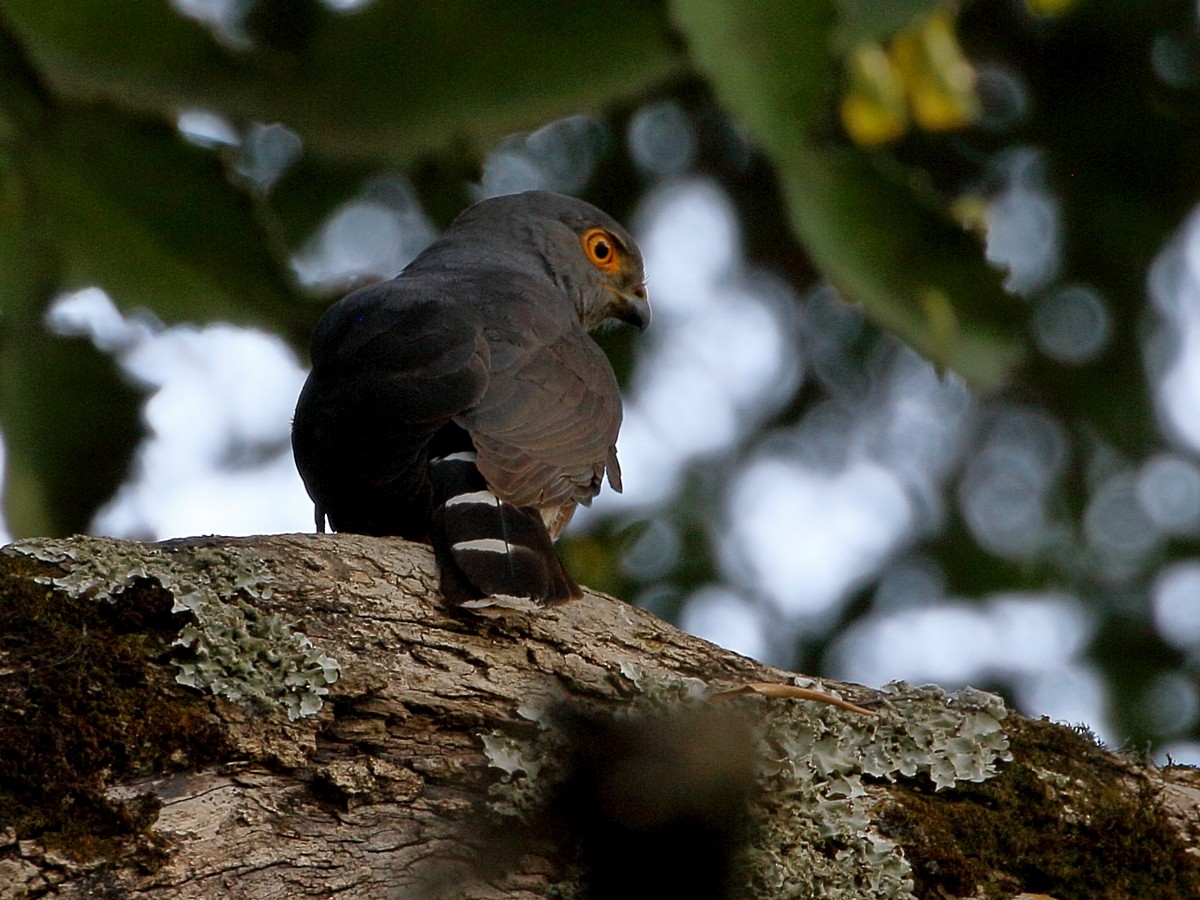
<point>634,308</point>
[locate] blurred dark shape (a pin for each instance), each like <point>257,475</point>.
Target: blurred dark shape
<point>631,805</point>
<point>658,803</point>
<point>616,805</point>
<point>286,26</point>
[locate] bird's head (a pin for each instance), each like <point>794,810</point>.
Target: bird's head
<point>617,279</point>
<point>589,256</point>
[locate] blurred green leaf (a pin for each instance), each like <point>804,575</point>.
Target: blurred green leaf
<point>20,102</point>
<point>781,61</point>
<point>879,241</point>
<point>383,83</point>
<point>152,220</point>
<point>916,273</point>
<point>870,20</point>
<point>28,268</point>
<point>70,428</point>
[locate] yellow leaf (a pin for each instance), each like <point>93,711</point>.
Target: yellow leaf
<point>940,317</point>
<point>873,109</point>
<point>970,211</point>
<point>939,80</point>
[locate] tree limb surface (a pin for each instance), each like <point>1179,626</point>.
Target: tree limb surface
<point>302,715</point>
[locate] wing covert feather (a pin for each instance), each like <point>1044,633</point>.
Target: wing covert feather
<point>546,427</point>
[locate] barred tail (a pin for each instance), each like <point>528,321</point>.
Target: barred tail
<point>489,552</point>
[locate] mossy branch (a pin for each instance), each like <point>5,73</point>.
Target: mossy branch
<point>302,715</point>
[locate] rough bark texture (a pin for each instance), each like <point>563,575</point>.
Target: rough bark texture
<point>388,743</point>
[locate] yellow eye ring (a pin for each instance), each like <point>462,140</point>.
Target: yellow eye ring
<point>601,249</point>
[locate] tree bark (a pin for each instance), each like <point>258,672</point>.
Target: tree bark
<point>301,715</point>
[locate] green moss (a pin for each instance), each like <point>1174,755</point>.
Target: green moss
<point>99,636</point>
<point>1064,819</point>
<point>89,702</point>
<point>237,652</point>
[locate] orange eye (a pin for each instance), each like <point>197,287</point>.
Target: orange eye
<point>601,249</point>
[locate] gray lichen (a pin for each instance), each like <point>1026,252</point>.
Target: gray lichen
<point>521,787</point>
<point>237,652</point>
<point>813,829</point>
<point>816,757</point>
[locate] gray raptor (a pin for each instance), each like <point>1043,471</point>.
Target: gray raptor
<point>464,404</point>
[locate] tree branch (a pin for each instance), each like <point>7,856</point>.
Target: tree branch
<point>303,716</point>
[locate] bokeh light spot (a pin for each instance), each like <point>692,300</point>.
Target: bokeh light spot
<point>654,553</point>
<point>955,642</point>
<point>1171,703</point>
<point>1024,223</point>
<point>266,153</point>
<point>1071,324</point>
<point>805,537</point>
<point>560,156</point>
<point>1004,490</point>
<point>661,139</point>
<point>1119,532</point>
<point>721,616</point>
<point>1175,600</point>
<point>1168,487</point>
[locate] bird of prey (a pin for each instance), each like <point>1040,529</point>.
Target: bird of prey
<point>463,402</point>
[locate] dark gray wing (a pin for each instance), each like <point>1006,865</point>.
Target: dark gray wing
<point>392,364</point>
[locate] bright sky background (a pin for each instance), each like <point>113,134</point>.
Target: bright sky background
<point>814,512</point>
